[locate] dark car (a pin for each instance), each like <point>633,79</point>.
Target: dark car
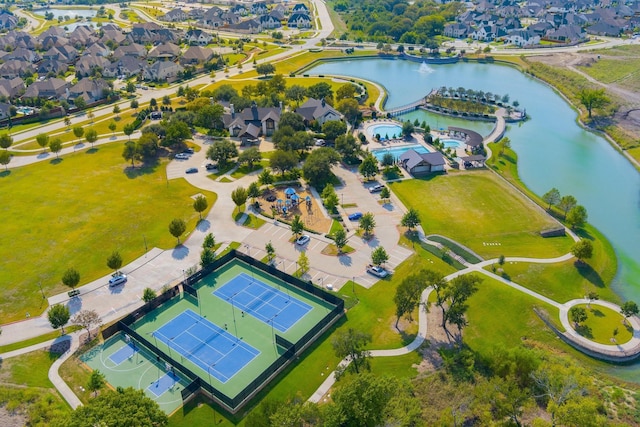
<point>188,151</point>
<point>355,216</point>
<point>211,166</point>
<point>192,170</point>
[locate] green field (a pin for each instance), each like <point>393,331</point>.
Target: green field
<point>600,324</point>
<point>482,211</point>
<point>76,211</point>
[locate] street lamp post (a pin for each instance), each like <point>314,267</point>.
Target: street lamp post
<point>40,284</point>
<point>145,244</point>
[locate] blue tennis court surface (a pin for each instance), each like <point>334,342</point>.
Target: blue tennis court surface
<point>263,301</point>
<point>123,353</point>
<point>163,384</point>
<point>213,349</point>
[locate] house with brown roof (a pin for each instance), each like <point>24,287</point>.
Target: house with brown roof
<point>266,119</point>
<point>11,87</point>
<point>196,55</point>
<point>162,70</point>
<point>54,88</point>
<point>168,51</point>
<point>91,90</point>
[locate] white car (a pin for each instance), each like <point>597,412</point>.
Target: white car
<point>320,143</point>
<point>303,240</point>
<point>182,156</point>
<point>117,280</point>
<point>378,271</point>
<point>376,188</point>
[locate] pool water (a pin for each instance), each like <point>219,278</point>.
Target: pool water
<point>396,152</point>
<point>385,131</point>
<point>452,143</point>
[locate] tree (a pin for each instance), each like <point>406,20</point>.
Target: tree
<point>131,87</point>
<point>87,319</point>
<point>452,296</point>
<point>80,103</point>
<point>5,140</point>
<point>130,152</point>
<point>283,160</point>
<point>628,309</point>
<point>222,152</point>
<point>177,132</point>
<point>71,278</point>
<point>265,177</point>
<point>134,104</point>
<point>582,249</point>
<point>116,110</point>
<point>177,227</point>
<point>322,90</point>
<point>577,315</point>
<point>114,261</point>
<point>348,147</point>
<point>379,256</point>
<point>367,223</point>
<point>58,316</point>
<point>411,219</point>
<point>505,144</point>
<point>124,406</point>
<point>67,122</point>
<point>591,296</point>
<point>297,226</point>
<point>253,191</point>
<point>349,108</point>
<point>200,205</point>
<point>96,382</point>
<point>567,203</point>
<point>294,120</point>
<point>340,239</point>
<point>166,100</point>
<point>91,135</point>
<point>369,167</point>
<point>295,93</point>
<point>112,127</point>
<point>90,116</point>
<point>250,156</point>
<point>346,91</point>
<point>128,129</point>
<point>407,295</point>
<point>239,196</point>
<point>385,194</point>
<point>303,263</point>
<point>153,103</point>
<point>350,343</point>
<point>209,241</point>
<point>43,140</point>
<point>148,295</point>
<point>577,216</point>
<point>317,168</point>
<point>266,69</point>
<point>333,129</point>
<point>78,131</point>
<point>270,250</point>
<point>407,129</point>
<point>55,146</point>
<point>5,159</point>
<point>207,257</point>
<point>593,98</point>
<point>551,197</point>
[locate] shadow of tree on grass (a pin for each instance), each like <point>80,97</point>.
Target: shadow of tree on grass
<point>56,161</point>
<point>5,173</point>
<point>146,168</point>
<point>585,331</point>
<point>92,150</point>
<point>589,273</point>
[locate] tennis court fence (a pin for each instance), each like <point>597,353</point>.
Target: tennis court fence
<point>291,350</point>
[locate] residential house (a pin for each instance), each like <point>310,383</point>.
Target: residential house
<point>484,33</point>
<point>18,39</point>
<point>175,15</point>
<point>116,36</point>
<point>266,119</point>
<point>259,8</point>
<point>300,8</point>
<point>239,9</point>
<point>196,13</point>
<point>605,29</point>
<point>11,88</point>
<point>52,66</point>
<point>249,26</point>
<point>198,37</point>
<point>83,35</point>
<point>5,109</point>
<point>230,18</point>
<point>269,22</point>
<point>421,164</point>
<point>162,70</point>
<point>540,28</point>
<point>127,66</point>
<point>50,41</point>
<point>318,111</point>
<point>91,90</point>
<point>54,88</point>
<point>522,38</point>
<point>97,49</point>
<point>457,31</point>
<point>8,21</point>
<point>213,21</point>
<point>299,20</point>
<point>165,51</point>
<point>67,54</point>
<point>136,50</point>
<point>566,34</point>
<point>195,55</point>
<point>15,68</point>
<point>88,63</point>
<point>23,54</point>
<point>278,12</point>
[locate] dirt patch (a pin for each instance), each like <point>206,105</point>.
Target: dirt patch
<point>436,339</point>
<point>11,419</point>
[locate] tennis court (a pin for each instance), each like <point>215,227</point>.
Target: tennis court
<point>206,345</point>
<point>263,302</point>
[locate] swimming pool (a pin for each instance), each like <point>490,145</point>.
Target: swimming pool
<point>396,152</point>
<point>385,131</point>
<point>453,143</point>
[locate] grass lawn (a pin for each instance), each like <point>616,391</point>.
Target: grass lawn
<point>37,340</point>
<point>73,222</point>
<point>221,171</point>
<point>244,169</point>
<point>600,324</point>
<point>251,221</point>
<point>332,250</point>
<point>500,315</point>
<point>28,370</point>
<point>567,280</point>
<point>478,209</point>
<point>398,366</point>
